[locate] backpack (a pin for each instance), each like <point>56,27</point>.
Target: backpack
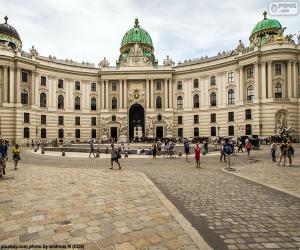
<point>227,150</point>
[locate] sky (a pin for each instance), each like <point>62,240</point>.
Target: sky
<point>88,30</point>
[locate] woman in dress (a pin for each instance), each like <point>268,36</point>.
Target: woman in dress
<point>197,155</point>
<point>16,155</point>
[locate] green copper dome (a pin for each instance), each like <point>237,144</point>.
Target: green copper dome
<point>136,35</point>
<point>266,24</point>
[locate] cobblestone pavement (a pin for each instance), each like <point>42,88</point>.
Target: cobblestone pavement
<point>229,212</point>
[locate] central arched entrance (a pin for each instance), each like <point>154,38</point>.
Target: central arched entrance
<point>136,121</point>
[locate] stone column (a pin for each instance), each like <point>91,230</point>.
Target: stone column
<point>32,87</point>
<point>171,96</point>
<point>270,85</point>
<point>242,92</point>
<point>37,96</point>
<point>50,92</point>
<point>220,88</point>
<point>202,89</point>
<point>295,79</point>
<point>12,83</point>
<point>256,81</point>
<point>289,82</point>
<point>166,90</point>
<point>125,94</point>
<point>5,83</point>
<point>54,96</point>
<point>147,94</point>
<point>106,94</point>
<point>68,90</point>
<point>17,86</point>
<point>102,94</point>
<point>152,92</point>
<point>98,89</point>
<point>263,81</point>
<point>121,93</point>
<point>237,81</point>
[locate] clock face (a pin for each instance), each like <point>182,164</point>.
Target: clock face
<point>136,95</point>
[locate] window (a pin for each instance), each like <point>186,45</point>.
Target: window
<point>158,85</point>
<point>196,83</point>
<point>248,114</point>
<point>93,87</point>
<point>230,77</point>
<point>26,133</point>
<point>179,120</point>
<point>179,85</point>
<point>230,130</point>
<point>114,103</point>
<point>113,86</point>
<point>94,133</point>
<point>196,119</point>
<point>26,118</point>
<point>213,131</point>
<point>43,119</point>
<point>24,76</point>
<point>180,132</point>
<point>24,97</point>
<point>248,129</point>
<point>196,132</point>
<point>43,100</point>
<point>60,83</point>
<point>77,120</point>
<point>250,93</point>
<point>60,120</point>
<point>231,116</point>
<point>278,90</point>
<point>158,102</point>
<point>93,103</point>
<point>213,99</point>
<point>179,102</point>
<point>250,72</point>
<point>43,133</point>
<point>93,121</point>
<point>231,96</point>
<point>213,118</point>
<point>277,69</point>
<point>43,80</point>
<point>212,80</point>
<point>196,102</point>
<point>61,133</point>
<point>77,85</point>
<point>60,102</point>
<point>77,103</point>
<point>77,133</point>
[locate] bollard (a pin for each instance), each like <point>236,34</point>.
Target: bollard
<point>63,153</point>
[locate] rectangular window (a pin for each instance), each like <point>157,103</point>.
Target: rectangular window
<point>93,121</point>
<point>231,116</point>
<point>93,87</point>
<point>77,133</point>
<point>43,80</point>
<point>213,118</point>
<point>77,120</point>
<point>248,115</point>
<point>43,119</point>
<point>113,86</point>
<point>60,120</point>
<point>26,118</point>
<point>277,69</point>
<point>77,85</point>
<point>250,72</point>
<point>24,76</point>
<point>213,131</point>
<point>158,85</point>
<point>212,80</point>
<point>179,85</point>
<point>179,119</point>
<point>60,83</point>
<point>231,130</point>
<point>230,77</point>
<point>196,83</point>
<point>196,132</point>
<point>196,119</point>
<point>180,132</point>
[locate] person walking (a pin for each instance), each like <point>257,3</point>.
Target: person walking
<point>92,149</point>
<point>3,157</point>
<point>197,154</point>
<point>290,152</point>
<point>115,156</point>
<point>222,151</point>
<point>16,155</point>
<point>248,147</point>
<point>186,146</point>
<point>32,144</point>
<point>154,150</point>
<point>284,151</point>
<point>273,151</point>
<point>240,146</point>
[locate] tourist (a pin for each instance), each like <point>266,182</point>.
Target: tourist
<point>186,146</point>
<point>3,156</point>
<point>290,152</point>
<point>32,144</point>
<point>92,149</point>
<point>248,147</point>
<point>240,146</point>
<point>197,154</point>
<point>115,156</point>
<point>138,151</point>
<point>283,152</point>
<point>273,151</point>
<point>16,155</point>
<point>158,146</point>
<point>228,150</point>
<point>205,146</point>
<point>222,151</point>
<point>154,150</point>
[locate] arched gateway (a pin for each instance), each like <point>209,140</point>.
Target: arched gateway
<point>136,121</point>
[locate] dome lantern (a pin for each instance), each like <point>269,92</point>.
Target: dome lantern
<point>9,35</point>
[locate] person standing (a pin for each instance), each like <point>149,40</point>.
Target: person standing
<point>273,151</point>
<point>186,149</point>
<point>16,155</point>
<point>290,152</point>
<point>248,147</point>
<point>284,151</point>
<point>3,157</point>
<point>240,146</point>
<point>115,155</point>
<point>92,149</point>
<point>222,151</point>
<point>205,146</point>
<point>197,154</point>
<point>158,145</point>
<point>154,150</point>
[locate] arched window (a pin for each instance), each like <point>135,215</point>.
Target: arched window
<point>93,133</point>
<point>43,100</point>
<point>77,103</point>
<point>61,133</point>
<point>213,99</point>
<point>43,133</point>
<point>60,102</point>
<point>248,129</point>
<point>93,103</point>
<point>158,102</point>
<point>196,101</point>
<point>231,96</point>
<point>114,103</point>
<point>250,93</point>
<point>179,102</point>
<point>278,90</point>
<point>24,97</point>
<point>26,133</point>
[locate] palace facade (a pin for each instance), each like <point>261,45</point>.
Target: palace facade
<point>246,91</point>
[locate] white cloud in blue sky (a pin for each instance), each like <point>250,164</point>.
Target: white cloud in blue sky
<point>88,30</point>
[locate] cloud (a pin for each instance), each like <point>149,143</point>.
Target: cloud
<point>89,30</point>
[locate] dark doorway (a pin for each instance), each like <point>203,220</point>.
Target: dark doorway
<point>114,133</point>
<point>160,132</point>
<point>136,119</point>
